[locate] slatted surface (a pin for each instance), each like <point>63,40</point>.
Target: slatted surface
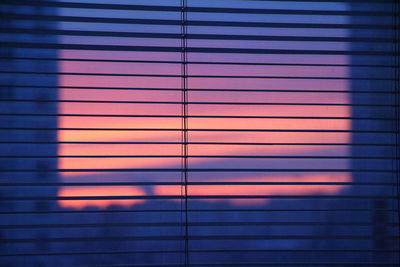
<point>199,133</point>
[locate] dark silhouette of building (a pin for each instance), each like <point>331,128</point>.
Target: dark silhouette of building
<point>377,92</point>
<point>24,144</point>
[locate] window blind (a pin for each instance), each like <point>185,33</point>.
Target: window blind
<point>199,133</point>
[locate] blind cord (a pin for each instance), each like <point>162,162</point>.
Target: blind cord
<point>185,137</point>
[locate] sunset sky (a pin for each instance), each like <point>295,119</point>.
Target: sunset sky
<point>291,84</point>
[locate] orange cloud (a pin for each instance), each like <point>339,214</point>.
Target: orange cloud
<point>228,190</point>
<point>207,190</point>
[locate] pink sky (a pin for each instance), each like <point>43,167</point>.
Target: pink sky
<point>162,109</point>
